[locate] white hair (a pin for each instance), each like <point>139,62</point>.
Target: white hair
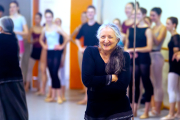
<point>113,27</point>
<point>7,24</point>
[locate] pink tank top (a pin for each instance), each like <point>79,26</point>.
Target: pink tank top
<point>125,27</point>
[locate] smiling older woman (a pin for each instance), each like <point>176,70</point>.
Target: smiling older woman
<point>106,74</point>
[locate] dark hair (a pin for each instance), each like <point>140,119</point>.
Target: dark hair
<point>49,11</point>
<point>143,10</point>
<point>59,20</point>
<point>118,20</point>
<point>39,14</point>
<point>149,19</point>
<point>174,20</point>
<point>84,12</point>
<point>158,10</point>
<point>91,6</point>
<point>138,4</point>
<point>133,5</point>
<point>1,8</point>
<point>17,4</point>
<point>116,62</point>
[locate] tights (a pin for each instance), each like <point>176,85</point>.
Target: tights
<point>53,62</point>
<point>173,87</point>
<point>141,71</point>
<point>157,62</point>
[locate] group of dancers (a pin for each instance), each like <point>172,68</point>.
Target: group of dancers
<point>149,60</point>
<point>49,47</point>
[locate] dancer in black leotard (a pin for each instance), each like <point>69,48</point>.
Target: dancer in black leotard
<point>142,65</point>
<point>174,70</point>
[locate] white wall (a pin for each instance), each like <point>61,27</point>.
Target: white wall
<point>61,9</point>
<point>5,4</point>
<point>115,8</point>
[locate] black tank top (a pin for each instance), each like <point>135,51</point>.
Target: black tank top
<point>61,39</point>
<point>141,41</point>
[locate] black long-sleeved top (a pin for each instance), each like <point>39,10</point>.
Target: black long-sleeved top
<point>89,34</point>
<point>9,59</point>
<point>174,66</point>
<point>105,101</point>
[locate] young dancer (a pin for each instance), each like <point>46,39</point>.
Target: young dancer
<point>174,72</point>
<point>34,33</point>
<point>159,33</point>
<point>20,25</point>
<point>88,31</point>
<point>54,53</point>
<point>143,61</point>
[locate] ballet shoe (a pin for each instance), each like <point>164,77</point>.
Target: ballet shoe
<point>64,99</point>
<point>168,117</point>
<point>82,102</point>
<point>177,116</point>
<point>39,94</point>
<point>48,96</point>
<point>153,113</point>
<point>144,116</point>
<point>59,101</point>
<point>50,100</point>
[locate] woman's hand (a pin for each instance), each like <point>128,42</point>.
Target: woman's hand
<point>69,39</point>
<point>82,49</point>
<point>36,40</point>
<point>45,47</point>
<point>130,50</point>
<point>58,47</point>
<point>16,32</point>
<point>136,55</point>
<point>114,78</point>
<point>176,56</point>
